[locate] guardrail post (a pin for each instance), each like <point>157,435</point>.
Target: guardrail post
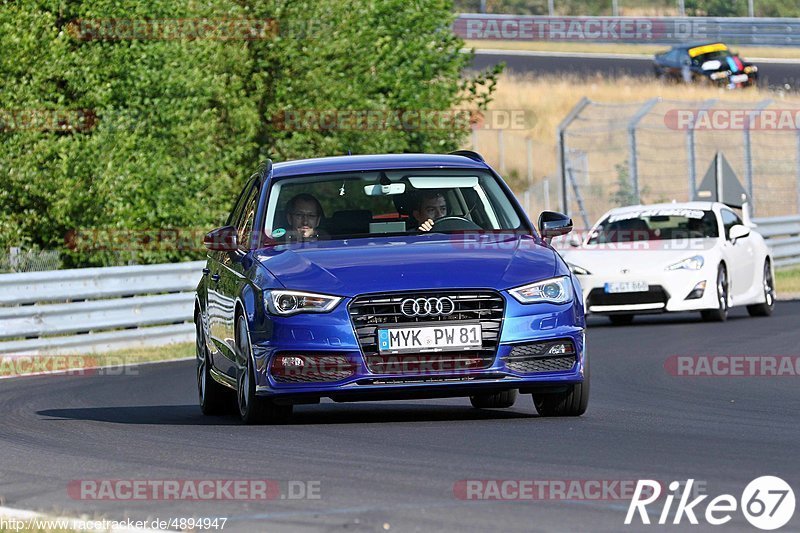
<point>633,164</point>
<point>562,150</point>
<point>748,152</point>
<point>501,151</point>
<point>797,168</point>
<point>546,193</point>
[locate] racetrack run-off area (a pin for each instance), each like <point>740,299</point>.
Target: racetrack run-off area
<point>398,465</point>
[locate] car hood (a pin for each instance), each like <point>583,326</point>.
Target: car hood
<point>730,63</point>
<point>356,266</point>
<point>640,259</point>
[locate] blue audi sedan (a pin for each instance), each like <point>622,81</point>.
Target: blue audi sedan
<point>364,278</point>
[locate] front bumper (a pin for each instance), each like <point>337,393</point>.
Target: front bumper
<point>331,335</point>
<point>669,292</point>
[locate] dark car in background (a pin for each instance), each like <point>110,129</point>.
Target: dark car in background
<point>712,62</point>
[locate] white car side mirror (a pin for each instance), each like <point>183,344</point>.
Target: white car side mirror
<point>737,232</point>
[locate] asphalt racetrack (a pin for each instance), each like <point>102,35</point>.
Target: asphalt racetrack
<point>396,465</point>
<point>773,73</point>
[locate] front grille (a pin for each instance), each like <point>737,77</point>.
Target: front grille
<point>370,312</point>
<point>530,358</point>
<point>656,294</point>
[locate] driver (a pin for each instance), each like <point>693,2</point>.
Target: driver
<point>431,207</point>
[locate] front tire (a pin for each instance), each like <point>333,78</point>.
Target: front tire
<point>720,314</point>
<point>572,402</point>
<point>214,398</point>
<point>765,309</point>
<point>254,409</point>
<point>499,400</point>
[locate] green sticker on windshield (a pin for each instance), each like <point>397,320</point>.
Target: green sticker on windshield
<point>278,233</point>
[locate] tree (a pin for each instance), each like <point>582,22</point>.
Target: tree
<point>118,138</point>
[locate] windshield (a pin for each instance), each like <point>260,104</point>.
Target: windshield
<point>392,202</point>
<point>655,225</point>
<point>719,55</point>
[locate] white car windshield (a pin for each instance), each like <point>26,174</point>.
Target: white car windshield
<point>393,202</point>
<point>655,225</point>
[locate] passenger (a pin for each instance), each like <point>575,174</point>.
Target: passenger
<point>304,213</point>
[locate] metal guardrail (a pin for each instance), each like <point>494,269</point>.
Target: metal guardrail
<point>97,309</point>
<point>641,30</point>
<point>783,238</point>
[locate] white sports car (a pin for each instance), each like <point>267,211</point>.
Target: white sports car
<point>695,256</point>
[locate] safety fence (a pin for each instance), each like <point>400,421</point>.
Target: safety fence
<point>97,309</point>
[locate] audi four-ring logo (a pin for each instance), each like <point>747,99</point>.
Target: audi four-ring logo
<point>427,306</point>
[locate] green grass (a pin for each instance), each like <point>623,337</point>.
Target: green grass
<point>9,365</point>
<point>787,280</point>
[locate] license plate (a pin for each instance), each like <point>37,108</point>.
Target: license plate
<point>429,338</point>
<point>739,78</point>
<point>627,286</point>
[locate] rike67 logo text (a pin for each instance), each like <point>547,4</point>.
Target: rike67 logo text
<point>767,503</point>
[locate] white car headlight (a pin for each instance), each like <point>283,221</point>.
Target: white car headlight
<point>690,263</point>
<point>555,290</point>
<point>580,271</point>
<point>285,303</point>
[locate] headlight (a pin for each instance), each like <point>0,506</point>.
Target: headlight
<point>580,271</point>
<point>556,290</point>
<point>751,68</point>
<point>692,263</point>
<point>284,303</point>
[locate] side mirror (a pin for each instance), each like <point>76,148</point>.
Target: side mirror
<point>738,232</point>
<point>554,224</point>
<point>222,239</point>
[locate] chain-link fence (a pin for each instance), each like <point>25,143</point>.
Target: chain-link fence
<point>519,159</point>
<point>659,151</point>
<point>18,260</point>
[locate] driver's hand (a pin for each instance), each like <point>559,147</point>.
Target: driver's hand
<point>427,225</point>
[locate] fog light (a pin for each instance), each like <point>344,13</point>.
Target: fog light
<point>289,361</point>
<point>309,368</point>
<point>697,292</point>
<point>287,365</point>
<point>562,348</point>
